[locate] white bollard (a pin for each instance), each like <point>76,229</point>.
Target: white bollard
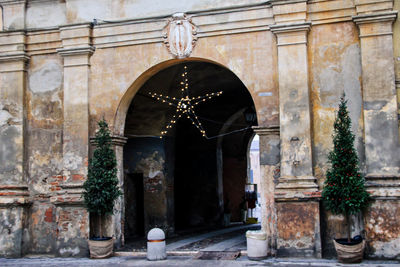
<point>257,245</point>
<point>156,245</point>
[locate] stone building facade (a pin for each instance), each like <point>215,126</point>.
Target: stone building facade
<point>65,64</point>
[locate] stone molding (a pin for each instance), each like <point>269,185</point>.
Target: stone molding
<point>286,2</point>
<point>14,62</point>
<point>299,188</point>
<point>69,195</point>
<point>116,140</point>
<point>290,27</point>
<point>12,2</point>
<point>14,195</point>
<point>383,17</point>
<point>383,187</point>
<point>76,51</point>
<point>299,183</point>
<point>258,17</point>
<point>291,34</point>
<point>266,130</point>
<point>375,17</point>
<point>76,56</point>
<point>19,56</point>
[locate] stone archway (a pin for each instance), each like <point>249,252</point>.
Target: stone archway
<point>123,110</point>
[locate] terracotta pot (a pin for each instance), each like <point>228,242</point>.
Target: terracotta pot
<point>352,253</point>
<point>100,249</point>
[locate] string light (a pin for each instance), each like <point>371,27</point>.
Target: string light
<point>184,105</point>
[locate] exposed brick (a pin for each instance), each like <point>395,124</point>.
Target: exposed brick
<point>78,177</point>
<point>48,215</point>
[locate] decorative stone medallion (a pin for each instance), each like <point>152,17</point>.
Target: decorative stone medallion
<point>180,35</point>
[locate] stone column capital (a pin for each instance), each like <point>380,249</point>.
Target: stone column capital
<point>375,17</point>
<point>76,51</point>
<point>16,56</point>
<point>12,52</point>
<point>76,56</point>
<point>286,2</point>
<point>76,44</point>
<point>291,34</point>
<point>290,27</point>
<point>13,62</point>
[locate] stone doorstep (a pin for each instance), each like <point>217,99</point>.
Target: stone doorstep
<point>169,253</point>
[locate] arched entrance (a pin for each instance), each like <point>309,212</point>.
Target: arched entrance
<point>184,180</point>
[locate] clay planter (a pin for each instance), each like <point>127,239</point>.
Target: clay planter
<point>101,248</point>
<point>352,252</point>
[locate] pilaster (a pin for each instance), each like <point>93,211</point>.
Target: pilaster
<point>76,51</point>
<point>14,193</point>
<point>296,192</point>
<point>269,170</point>
<point>380,106</point>
<point>379,94</point>
<point>294,106</point>
<point>115,223</point>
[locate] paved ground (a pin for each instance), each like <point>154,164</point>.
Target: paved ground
<point>226,239</point>
<point>185,250</point>
<point>180,261</point>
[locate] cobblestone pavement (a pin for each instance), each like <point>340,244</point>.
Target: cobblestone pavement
<point>181,261</point>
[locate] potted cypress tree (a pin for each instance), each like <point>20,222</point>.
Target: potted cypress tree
<point>101,190</point>
<point>344,191</point>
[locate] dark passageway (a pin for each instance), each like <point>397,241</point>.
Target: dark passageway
<point>180,182</point>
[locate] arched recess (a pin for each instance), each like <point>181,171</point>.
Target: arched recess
<point>140,83</point>
<point>120,114</point>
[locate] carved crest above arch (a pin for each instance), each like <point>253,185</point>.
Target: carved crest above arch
<point>180,35</point>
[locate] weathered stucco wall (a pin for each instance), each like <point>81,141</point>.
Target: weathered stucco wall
<point>57,78</point>
<point>382,225</point>
<point>335,68</point>
<point>114,70</point>
<point>298,229</point>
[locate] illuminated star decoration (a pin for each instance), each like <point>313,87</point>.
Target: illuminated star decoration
<point>184,105</point>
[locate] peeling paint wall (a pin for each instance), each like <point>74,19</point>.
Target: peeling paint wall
<point>382,225</point>
<point>44,153</point>
<point>298,229</point>
<point>335,68</point>
<point>11,132</point>
<point>12,227</point>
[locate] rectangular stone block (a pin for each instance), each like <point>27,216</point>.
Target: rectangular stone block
<point>298,229</point>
